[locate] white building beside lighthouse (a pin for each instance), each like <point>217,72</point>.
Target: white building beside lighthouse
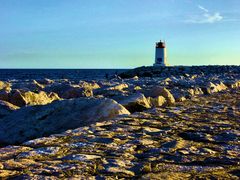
<point>160,54</point>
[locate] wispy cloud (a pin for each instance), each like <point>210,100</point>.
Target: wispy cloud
<point>205,17</point>
<point>203,8</point>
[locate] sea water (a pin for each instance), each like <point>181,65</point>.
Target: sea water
<point>71,74</point>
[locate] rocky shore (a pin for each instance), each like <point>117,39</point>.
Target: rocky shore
<point>149,123</point>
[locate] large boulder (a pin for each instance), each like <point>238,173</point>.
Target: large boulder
<point>168,96</point>
<point>6,108</point>
<point>29,98</point>
<point>135,102</point>
<point>38,121</point>
<point>160,91</point>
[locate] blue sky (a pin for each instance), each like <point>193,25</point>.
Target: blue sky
<point>117,33</point>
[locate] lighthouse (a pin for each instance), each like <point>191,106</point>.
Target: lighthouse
<point>160,54</point>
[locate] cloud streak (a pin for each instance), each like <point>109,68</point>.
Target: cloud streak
<point>206,17</point>
<point>203,8</point>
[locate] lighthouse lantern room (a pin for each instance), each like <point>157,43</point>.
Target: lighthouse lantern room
<point>160,54</point>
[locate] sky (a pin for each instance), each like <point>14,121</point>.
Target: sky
<point>117,33</point>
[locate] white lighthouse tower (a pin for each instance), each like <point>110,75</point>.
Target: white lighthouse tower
<point>160,54</point>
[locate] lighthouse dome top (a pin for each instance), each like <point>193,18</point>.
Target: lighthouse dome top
<point>160,44</point>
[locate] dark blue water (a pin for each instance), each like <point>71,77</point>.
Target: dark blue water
<point>71,74</point>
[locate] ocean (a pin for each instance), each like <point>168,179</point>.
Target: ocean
<point>71,74</point>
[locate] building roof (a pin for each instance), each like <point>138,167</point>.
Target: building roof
<point>160,44</point>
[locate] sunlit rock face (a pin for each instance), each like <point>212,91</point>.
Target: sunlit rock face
<point>157,91</point>
<point>5,86</point>
<point>21,98</point>
<point>157,101</point>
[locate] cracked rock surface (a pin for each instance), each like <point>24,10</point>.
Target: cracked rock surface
<point>194,139</point>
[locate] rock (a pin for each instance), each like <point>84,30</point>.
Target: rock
<point>68,91</point>
<point>5,86</point>
<point>102,140</point>
<point>135,103</point>
<point>77,93</point>
<point>196,136</point>
<point>168,96</point>
<point>10,152</point>
<point>181,99</point>
<point>118,87</point>
<point>81,157</point>
<point>4,95</point>
<point>39,121</point>
<point>198,91</point>
<point>88,85</point>
<point>109,90</point>
<point>135,78</point>
<point>42,141</point>
<point>40,152</point>
<point>46,81</point>
<point>160,91</point>
<point>28,86</point>
<point>226,136</point>
<point>37,85</point>
<point>16,98</point>
<point>20,99</point>
<point>120,171</point>
<point>4,174</point>
<point>221,87</point>
<point>235,84</point>
<point>213,88</point>
<point>191,92</point>
<point>137,88</point>
<point>53,96</point>
<point>40,98</point>
<point>6,108</point>
<point>158,101</point>
<point>167,175</point>
<point>59,88</point>
<point>109,93</point>
<point>20,164</point>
